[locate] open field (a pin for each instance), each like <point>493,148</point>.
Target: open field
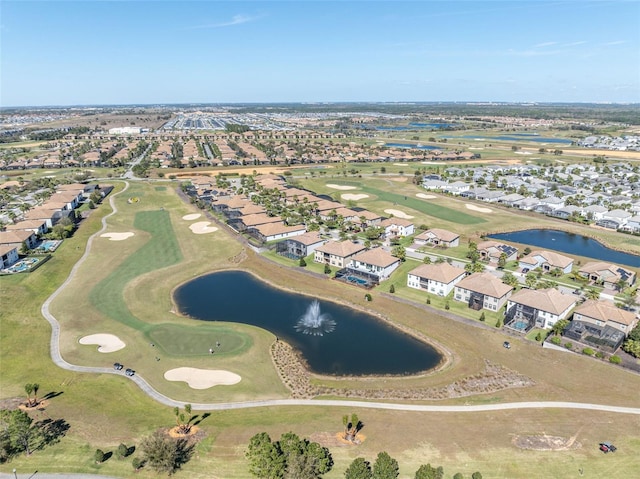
<point>124,288</point>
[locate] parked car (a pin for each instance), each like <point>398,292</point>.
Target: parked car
<point>604,448</point>
<point>117,366</point>
<point>506,344</point>
<point>129,372</point>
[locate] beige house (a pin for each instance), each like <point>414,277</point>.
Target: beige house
<point>8,255</point>
<point>482,291</point>
<point>437,278</point>
<point>492,250</point>
<point>540,308</point>
<point>606,273</point>
<point>599,323</point>
<point>376,262</point>
<point>438,237</point>
<point>547,261</point>
<point>337,253</point>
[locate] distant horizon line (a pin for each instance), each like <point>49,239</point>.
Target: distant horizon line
<point>318,103</point>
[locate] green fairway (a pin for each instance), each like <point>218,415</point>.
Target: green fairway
<point>160,251</point>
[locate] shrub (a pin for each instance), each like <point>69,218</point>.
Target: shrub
<point>327,269</point>
<point>482,317</point>
<point>539,336</point>
<point>392,289</point>
<point>98,456</point>
<point>302,263</point>
<point>568,345</point>
<point>122,451</point>
<point>615,359</point>
<point>367,297</point>
<point>555,340</point>
<point>137,463</point>
<point>588,351</point>
<point>428,300</point>
<point>599,354</point>
<point>446,305</point>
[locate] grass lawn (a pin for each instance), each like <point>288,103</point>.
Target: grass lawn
<point>104,410</point>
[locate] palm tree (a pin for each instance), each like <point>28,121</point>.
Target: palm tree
<point>592,293</point>
<point>351,427</point>
<point>28,388</point>
<point>36,386</point>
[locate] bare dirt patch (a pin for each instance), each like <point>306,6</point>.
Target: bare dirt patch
<point>399,214</point>
<point>479,209</point>
<point>341,187</point>
<point>107,343</point>
<point>545,442</point>
<point>202,227</point>
<point>117,236</point>
<point>351,196</point>
<point>202,378</point>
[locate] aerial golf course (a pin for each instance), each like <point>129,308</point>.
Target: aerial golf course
<point>123,288</point>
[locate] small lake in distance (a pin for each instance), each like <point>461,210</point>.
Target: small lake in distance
<point>333,339</point>
<point>570,243</point>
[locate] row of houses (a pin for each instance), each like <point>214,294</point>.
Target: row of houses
<point>39,220</point>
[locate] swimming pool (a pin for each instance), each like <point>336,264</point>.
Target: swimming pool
<point>22,265</point>
<point>48,246</point>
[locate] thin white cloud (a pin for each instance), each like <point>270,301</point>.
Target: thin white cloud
<point>545,44</point>
<point>574,44</point>
<point>617,42</point>
<point>235,20</point>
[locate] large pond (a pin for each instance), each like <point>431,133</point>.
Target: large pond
<point>570,243</point>
<point>333,339</point>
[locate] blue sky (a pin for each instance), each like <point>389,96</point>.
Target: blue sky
<point>122,52</point>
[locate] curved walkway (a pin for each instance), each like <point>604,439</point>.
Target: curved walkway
<point>161,398</point>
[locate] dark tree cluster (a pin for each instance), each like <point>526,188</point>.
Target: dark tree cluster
<point>288,458</point>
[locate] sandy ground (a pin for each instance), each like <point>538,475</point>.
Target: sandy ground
<point>425,196</point>
<point>107,343</point>
<point>193,216</point>
<point>401,164</point>
<point>202,227</point>
<point>478,208</point>
<point>341,187</point>
<point>351,196</point>
<point>399,214</point>
<point>202,378</point>
<point>117,236</point>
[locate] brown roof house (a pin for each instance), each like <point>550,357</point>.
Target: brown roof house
<point>337,253</point>
<point>438,237</point>
<point>394,227</point>
<point>300,246</point>
<point>18,237</point>
<point>547,260</point>
<point>482,291</point>
<point>375,262</point>
<point>601,324</point>
<point>274,231</point>
<point>607,274</point>
<point>529,308</point>
<point>492,250</point>
<point>8,255</point>
<point>436,278</point>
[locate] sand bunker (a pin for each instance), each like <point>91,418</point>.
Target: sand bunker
<point>425,196</point>
<point>523,152</point>
<point>107,343</point>
<point>117,236</point>
<point>351,196</point>
<point>401,164</point>
<point>399,214</point>
<point>202,227</point>
<point>478,208</point>
<point>341,187</point>
<point>202,378</point>
<point>193,216</point>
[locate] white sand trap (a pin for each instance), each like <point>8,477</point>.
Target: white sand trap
<point>341,187</point>
<point>431,162</point>
<point>202,227</point>
<point>351,196</point>
<point>117,236</point>
<point>193,216</point>
<point>523,152</point>
<point>476,148</point>
<point>107,343</point>
<point>202,378</point>
<point>401,164</point>
<point>479,209</point>
<point>399,214</point>
<point>425,196</point>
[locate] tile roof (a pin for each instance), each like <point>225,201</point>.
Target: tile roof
<point>376,257</point>
<point>605,312</point>
<point>485,283</point>
<point>549,300</point>
<point>341,248</point>
<point>442,272</point>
